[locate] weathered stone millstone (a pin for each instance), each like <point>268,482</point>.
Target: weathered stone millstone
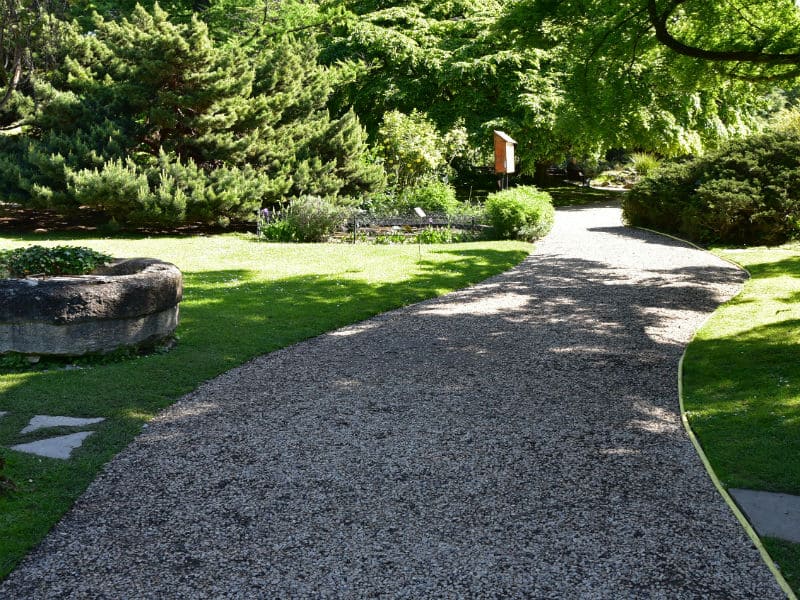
<point>131,303</point>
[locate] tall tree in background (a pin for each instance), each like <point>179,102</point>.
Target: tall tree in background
<point>756,40</point>
<point>623,87</point>
<point>565,77</point>
<point>29,36</point>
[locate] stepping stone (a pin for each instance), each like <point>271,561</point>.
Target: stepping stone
<point>44,421</point>
<point>57,447</point>
<point>771,514</point>
<point>3,413</point>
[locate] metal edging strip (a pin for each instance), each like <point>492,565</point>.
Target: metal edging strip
<point>748,528</point>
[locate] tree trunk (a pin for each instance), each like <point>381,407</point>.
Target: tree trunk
<point>540,173</point>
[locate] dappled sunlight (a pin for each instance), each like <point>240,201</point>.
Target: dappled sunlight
<point>347,384</point>
<point>655,419</point>
<point>354,329</point>
<point>620,451</point>
<point>666,325</point>
<point>497,303</point>
<point>136,415</point>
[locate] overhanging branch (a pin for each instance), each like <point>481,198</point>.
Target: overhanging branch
<point>659,23</point>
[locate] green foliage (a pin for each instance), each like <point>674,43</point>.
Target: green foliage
<point>58,260</point>
<point>6,484</point>
<point>524,213</point>
<point>744,193</point>
<point>169,191</point>
<point>306,219</point>
<point>413,150</point>
<point>396,237</point>
<point>560,77</point>
<point>442,235</point>
<point>434,197</point>
<point>278,230</point>
<point>152,122</point>
<point>644,163</point>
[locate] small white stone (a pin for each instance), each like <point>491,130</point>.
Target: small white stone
<point>3,413</point>
<point>44,421</point>
<point>57,447</point>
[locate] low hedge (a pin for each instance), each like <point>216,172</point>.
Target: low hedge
<point>747,193</point>
<point>523,213</point>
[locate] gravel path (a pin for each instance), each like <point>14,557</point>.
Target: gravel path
<point>520,438</point>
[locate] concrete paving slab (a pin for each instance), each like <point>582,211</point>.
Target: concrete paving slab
<point>57,447</point>
<point>771,514</point>
<point>45,421</point>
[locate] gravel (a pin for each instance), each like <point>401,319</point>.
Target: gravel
<point>520,438</point>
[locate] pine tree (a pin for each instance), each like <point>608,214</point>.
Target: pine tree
<point>152,122</point>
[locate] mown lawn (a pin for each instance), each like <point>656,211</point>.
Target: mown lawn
<point>241,299</point>
<point>742,383</point>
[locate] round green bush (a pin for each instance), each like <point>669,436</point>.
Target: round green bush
<point>747,192</point>
<point>524,213</point>
<point>432,197</point>
<point>59,260</point>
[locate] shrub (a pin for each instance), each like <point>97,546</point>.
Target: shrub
<point>748,192</point>
<point>306,219</point>
<point>432,197</point>
<point>414,150</point>
<point>279,230</point>
<point>644,164</point>
<point>60,260</point>
<point>169,191</point>
<point>523,212</point>
<point>442,235</point>
<point>169,126</point>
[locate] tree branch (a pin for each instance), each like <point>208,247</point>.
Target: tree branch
<point>15,78</point>
<point>659,23</point>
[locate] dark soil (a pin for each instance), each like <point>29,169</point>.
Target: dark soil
<point>16,219</point>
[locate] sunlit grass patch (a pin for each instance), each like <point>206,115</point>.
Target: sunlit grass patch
<point>742,383</point>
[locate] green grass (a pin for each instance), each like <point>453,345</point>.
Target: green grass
<point>241,299</point>
<point>742,382</point>
<point>787,555</point>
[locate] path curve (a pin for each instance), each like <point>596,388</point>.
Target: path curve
<point>520,438</point>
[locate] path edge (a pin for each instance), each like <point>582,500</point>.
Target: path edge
<point>748,528</point>
<point>734,508</point>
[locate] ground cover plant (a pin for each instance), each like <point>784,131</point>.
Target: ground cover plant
<point>742,384</point>
<point>241,299</point>
<point>60,260</point>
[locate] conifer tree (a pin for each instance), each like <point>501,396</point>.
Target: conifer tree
<point>152,122</point>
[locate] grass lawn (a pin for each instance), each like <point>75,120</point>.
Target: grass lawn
<point>241,299</point>
<point>742,383</point>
